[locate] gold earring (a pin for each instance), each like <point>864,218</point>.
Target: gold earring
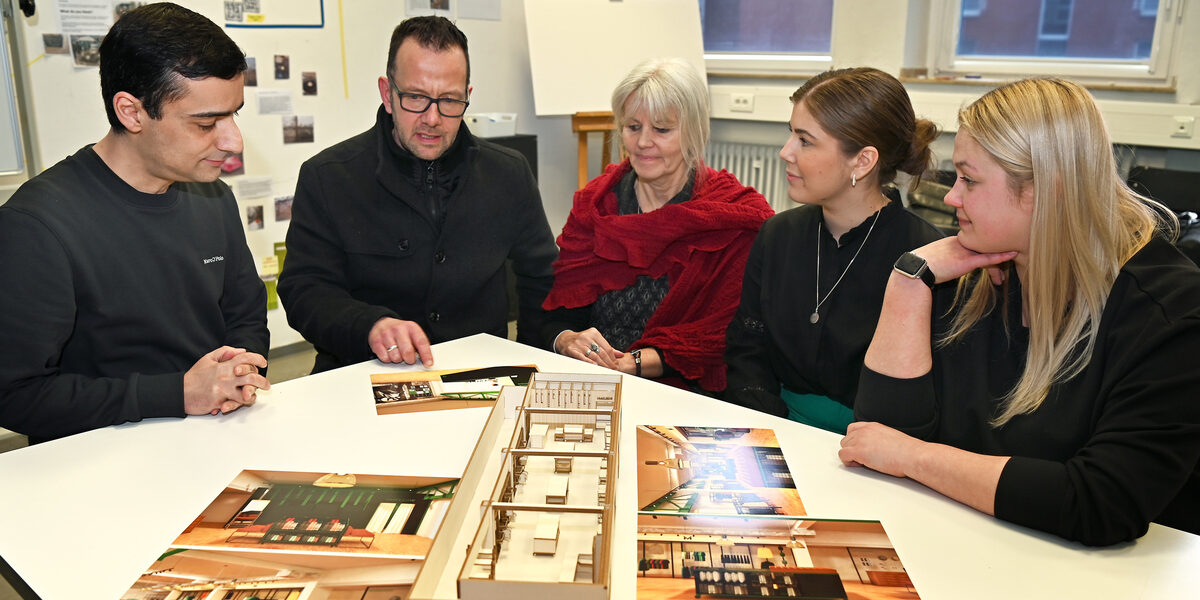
<point>853,180</point>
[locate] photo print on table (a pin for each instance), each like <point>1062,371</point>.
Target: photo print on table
<point>714,470</point>
<point>420,391</point>
<point>264,524</point>
<point>777,557</point>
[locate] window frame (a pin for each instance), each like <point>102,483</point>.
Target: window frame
<point>1157,70</point>
<point>771,63</point>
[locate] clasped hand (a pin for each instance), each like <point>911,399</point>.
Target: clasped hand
<point>223,381</point>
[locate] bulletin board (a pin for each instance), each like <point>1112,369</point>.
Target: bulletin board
<point>579,50</point>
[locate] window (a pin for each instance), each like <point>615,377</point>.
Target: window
<point>1116,40</point>
<point>767,35</point>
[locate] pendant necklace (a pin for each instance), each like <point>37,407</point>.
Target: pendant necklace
<point>816,316</point>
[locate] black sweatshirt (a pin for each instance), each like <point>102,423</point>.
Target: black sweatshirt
<point>110,295</point>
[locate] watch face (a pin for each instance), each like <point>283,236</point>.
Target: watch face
<point>910,264</point>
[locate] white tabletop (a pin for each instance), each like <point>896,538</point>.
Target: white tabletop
<point>82,517</point>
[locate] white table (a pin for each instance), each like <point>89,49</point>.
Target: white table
<point>82,517</point>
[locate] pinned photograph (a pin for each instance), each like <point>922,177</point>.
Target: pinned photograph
<point>254,217</point>
<point>297,129</point>
<point>283,208</point>
<point>251,74</point>
<point>86,49</point>
<point>252,6</point>
<point>54,43</point>
<point>233,165</point>
<point>120,8</point>
<point>282,66</point>
<point>308,83</point>
<point>234,11</point>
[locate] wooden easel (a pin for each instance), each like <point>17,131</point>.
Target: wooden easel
<point>583,123</point>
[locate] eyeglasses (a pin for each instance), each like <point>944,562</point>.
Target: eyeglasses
<point>419,103</point>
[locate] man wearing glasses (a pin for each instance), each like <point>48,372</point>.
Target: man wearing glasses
<point>399,235</point>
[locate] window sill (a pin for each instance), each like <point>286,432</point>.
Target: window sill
<point>995,82</point>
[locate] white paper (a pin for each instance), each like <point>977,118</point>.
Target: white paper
<point>85,16</point>
<point>274,102</point>
<point>253,187</point>
<point>488,10</point>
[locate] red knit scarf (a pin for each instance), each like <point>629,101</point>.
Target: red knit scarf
<point>701,246</point>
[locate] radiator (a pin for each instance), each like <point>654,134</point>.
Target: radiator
<point>756,166</point>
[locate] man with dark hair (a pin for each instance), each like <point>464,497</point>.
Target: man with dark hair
<point>399,235</point>
<point>129,291</point>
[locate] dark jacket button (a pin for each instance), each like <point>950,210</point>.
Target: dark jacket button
<point>403,244</point>
<point>440,257</point>
<point>434,317</point>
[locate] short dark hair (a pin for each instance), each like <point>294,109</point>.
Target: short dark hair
<point>434,33</point>
<point>149,50</point>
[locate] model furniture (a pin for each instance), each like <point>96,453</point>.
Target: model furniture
<point>545,536</point>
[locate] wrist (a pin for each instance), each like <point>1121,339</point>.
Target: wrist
<point>915,267</point>
<point>554,344</point>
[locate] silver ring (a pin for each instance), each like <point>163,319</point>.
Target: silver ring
<point>594,347</point>
<point>392,347</point>
<point>587,352</point>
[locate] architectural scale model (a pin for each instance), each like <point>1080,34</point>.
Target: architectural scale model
<point>546,527</point>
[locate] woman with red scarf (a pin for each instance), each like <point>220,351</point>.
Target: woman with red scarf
<point>650,266</point>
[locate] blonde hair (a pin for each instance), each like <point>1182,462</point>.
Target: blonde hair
<point>673,93</point>
<point>1086,223</point>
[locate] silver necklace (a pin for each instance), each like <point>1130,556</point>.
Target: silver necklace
<point>816,316</point>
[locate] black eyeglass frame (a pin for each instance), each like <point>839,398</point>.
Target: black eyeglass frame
<point>430,101</point>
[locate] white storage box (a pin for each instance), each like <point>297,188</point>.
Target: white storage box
<point>492,124</point>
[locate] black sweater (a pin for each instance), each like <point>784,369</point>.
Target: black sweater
<point>110,295</point>
<point>377,232</point>
<point>770,340</point>
<point>1108,451</point>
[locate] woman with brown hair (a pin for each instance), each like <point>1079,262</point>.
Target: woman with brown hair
<point>815,278</point>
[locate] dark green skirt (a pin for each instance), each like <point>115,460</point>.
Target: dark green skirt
<point>818,411</point>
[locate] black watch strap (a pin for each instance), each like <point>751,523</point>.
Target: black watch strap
<point>914,267</point>
<point>637,361</point>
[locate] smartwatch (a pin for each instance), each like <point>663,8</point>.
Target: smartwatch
<point>914,267</point>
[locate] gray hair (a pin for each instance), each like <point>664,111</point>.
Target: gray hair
<point>672,92</point>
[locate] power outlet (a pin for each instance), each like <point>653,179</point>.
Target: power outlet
<point>1184,127</point>
<point>741,102</point>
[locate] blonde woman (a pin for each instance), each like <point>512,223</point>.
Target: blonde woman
<point>1058,389</point>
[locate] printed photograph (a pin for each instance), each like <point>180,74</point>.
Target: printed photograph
<point>233,165</point>
<point>714,471</point>
<point>282,66</point>
<point>251,73</point>
<point>279,531</point>
<point>283,208</point>
<point>775,557</point>
<point>297,129</point>
<point>54,43</point>
<point>254,217</point>
<point>308,83</point>
<point>86,49</point>
<point>420,391</point>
